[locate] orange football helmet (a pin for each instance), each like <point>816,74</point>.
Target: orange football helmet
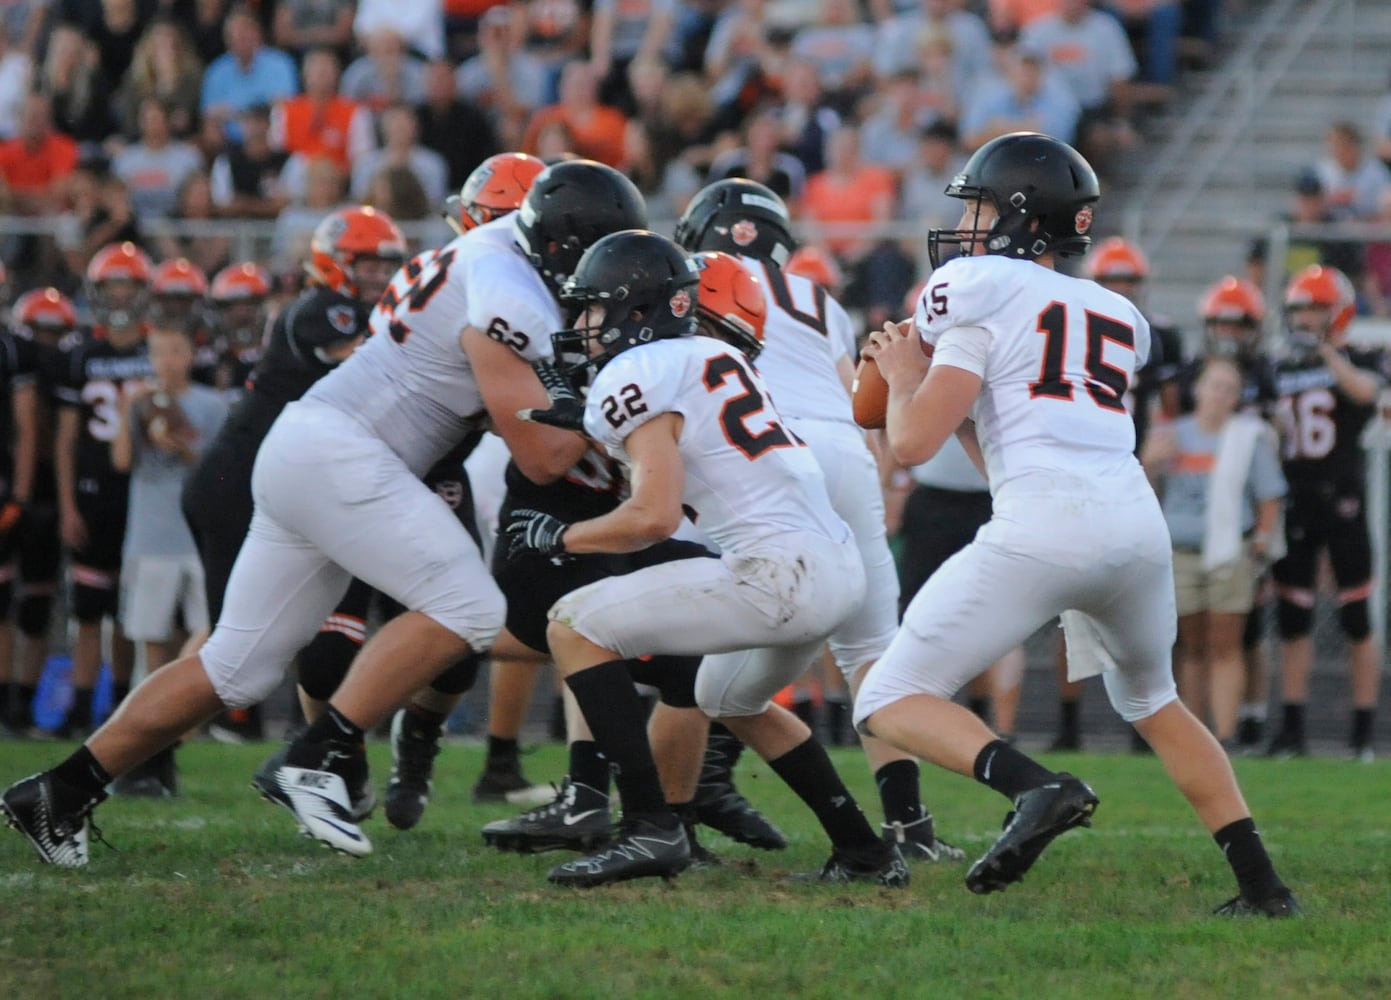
<point>177,290</point>
<point>118,284</point>
<point>1232,311</point>
<point>495,188</point>
<point>240,282</point>
<point>238,296</point>
<point>1323,288</point>
<point>815,264</point>
<point>1116,259</point>
<point>731,301</point>
<point>348,235</point>
<point>45,310</point>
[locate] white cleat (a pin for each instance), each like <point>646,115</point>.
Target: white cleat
<point>319,800</point>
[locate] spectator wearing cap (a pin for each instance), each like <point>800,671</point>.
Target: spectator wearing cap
<point>1028,99</point>
<point>840,46</point>
<point>386,73</point>
<point>456,129</point>
<point>760,158</point>
<point>622,32</point>
<point>903,38</point>
<point>321,121</point>
<point>246,176</point>
<point>598,131</point>
<point>939,159</point>
<point>73,79</point>
<point>155,167</point>
<point>401,148</point>
<point>302,25</point>
<point>419,23</point>
<point>1352,179</point>
<point>35,163</point>
<point>248,73</point>
<point>505,79</point>
<point>1309,207</point>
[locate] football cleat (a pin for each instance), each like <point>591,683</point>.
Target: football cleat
<point>60,839</point>
<point>502,781</point>
<point>318,796</point>
<point>642,850</point>
<point>1277,905</point>
<point>1287,746</point>
<point>886,867</point>
<point>1039,815</point>
<point>577,819</point>
<point>721,806</point>
<point>363,796</point>
<point>414,745</point>
<point>918,841</point>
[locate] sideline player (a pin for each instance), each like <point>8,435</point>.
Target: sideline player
<point>1031,367</point>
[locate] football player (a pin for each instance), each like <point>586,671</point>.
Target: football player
<point>808,347</point>
<point>1327,393</point>
<point>19,442</point>
<point>178,291</point>
<point>98,369</point>
<point>39,322</point>
<point>238,302</point>
<point>1030,369</point>
<point>692,420</point>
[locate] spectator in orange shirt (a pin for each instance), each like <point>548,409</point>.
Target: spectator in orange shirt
<point>848,193</point>
<point>321,122</point>
<point>598,131</point>
<point>35,162</point>
<point>1011,15</point>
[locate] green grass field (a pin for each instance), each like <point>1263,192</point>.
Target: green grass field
<point>213,895</point>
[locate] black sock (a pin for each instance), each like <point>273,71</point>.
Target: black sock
<point>22,703</point>
<point>898,791</point>
<point>424,718</point>
<point>981,707</point>
<point>808,771</point>
<point>618,721</point>
<point>332,726</point>
<point>502,749</point>
<point>1241,844</point>
<point>588,765</point>
<point>78,780</point>
<point>1293,723</point>
<point>80,714</point>
<point>1362,727</point>
<point>119,690</point>
<point>1070,715</point>
<point>1008,771</point>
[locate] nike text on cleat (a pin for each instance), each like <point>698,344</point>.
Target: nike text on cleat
<point>641,850</point>
<point>60,839</point>
<point>1039,815</point>
<point>918,841</point>
<point>1278,905</point>
<point>884,866</point>
<point>414,745</point>
<point>319,800</point>
<point>577,819</point>
<point>363,797</point>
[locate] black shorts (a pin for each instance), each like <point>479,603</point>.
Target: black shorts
<point>35,543</point>
<point>937,524</point>
<point>1325,518</point>
<point>103,504</point>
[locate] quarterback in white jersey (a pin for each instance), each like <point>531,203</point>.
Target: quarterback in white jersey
<point>806,357</point>
<point>691,419</point>
<point>1032,366</point>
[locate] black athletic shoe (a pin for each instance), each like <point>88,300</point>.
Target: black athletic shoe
<point>642,850</point>
<point>1279,905</point>
<point>155,778</point>
<point>362,797</point>
<point>918,841</point>
<point>1039,815</point>
<point>60,838</point>
<point>577,819</point>
<point>1250,733</point>
<point>886,867</point>
<point>1286,746</point>
<point>414,746</point>
<point>720,806</point>
<point>502,781</point>
<point>1066,743</point>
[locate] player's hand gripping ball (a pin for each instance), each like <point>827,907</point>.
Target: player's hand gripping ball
<point>870,391</point>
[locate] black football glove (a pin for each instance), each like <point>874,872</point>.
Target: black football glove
<point>533,531</point>
<point>566,409</point>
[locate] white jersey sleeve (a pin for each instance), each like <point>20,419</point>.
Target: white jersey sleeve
<point>840,331</point>
<point>957,294</point>
<point>520,314</point>
<point>633,388</point>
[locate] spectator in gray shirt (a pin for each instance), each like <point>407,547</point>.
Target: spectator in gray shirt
<point>401,148</point>
<point>155,167</point>
<point>1221,485</point>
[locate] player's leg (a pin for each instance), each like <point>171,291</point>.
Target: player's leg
<point>40,558</point>
<point>1295,594</point>
<point>1256,663</point>
<point>511,681</point>
<point>1350,553</point>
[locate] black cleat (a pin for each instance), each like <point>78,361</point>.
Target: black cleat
<point>60,839</point>
<point>918,841</point>
<point>1039,815</point>
<point>362,796</point>
<point>1066,742</point>
<point>1250,733</point>
<point>155,778</point>
<point>502,781</point>
<point>577,819</point>
<point>642,850</point>
<point>1279,905</point>
<point>721,807</point>
<point>1287,746</point>
<point>885,866</point>
<point>414,746</point>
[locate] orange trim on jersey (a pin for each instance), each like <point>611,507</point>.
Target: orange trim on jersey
<point>95,578</point>
<point>1196,463</point>
<point>1297,596</point>
<point>1358,593</point>
<point>354,628</point>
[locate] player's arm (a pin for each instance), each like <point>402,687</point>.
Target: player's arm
<point>24,403</point>
<point>508,384</point>
<point>927,403</point>
<point>653,512</point>
<point>1358,384</point>
<point>122,444</point>
<point>970,444</point>
<point>65,472</point>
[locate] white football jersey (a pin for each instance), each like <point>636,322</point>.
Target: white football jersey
<point>1056,355</point>
<point>747,477</point>
<point>412,384</point>
<point>805,334</point>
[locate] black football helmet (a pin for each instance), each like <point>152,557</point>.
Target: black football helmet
<point>571,205</point>
<point>738,216</point>
<point>1043,190</point>
<point>649,289</point>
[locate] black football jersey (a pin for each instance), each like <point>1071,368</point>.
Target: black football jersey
<point>93,376</point>
<point>17,368</point>
<point>1320,427</point>
<point>1164,366</point>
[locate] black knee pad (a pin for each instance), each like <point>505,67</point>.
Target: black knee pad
<point>92,604</point>
<point>458,678</point>
<point>6,596</point>
<point>35,613</point>
<point>672,676</point>
<point>1295,622</point>
<point>1356,619</point>
<point>324,663</point>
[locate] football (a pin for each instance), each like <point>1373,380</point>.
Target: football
<point>159,413</point>
<point>869,393</point>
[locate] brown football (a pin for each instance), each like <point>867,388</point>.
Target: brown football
<point>870,393</point>
<point>160,413</point>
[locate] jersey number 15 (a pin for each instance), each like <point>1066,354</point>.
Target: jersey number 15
<point>1106,384</point>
